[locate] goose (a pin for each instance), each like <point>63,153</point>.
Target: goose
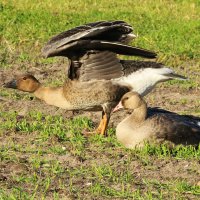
<point>154,124</point>
<point>97,78</point>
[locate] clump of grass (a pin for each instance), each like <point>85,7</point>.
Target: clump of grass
<point>167,27</point>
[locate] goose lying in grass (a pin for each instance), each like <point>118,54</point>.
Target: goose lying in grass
<point>97,79</point>
<point>154,125</point>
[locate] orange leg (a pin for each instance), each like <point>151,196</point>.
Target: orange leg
<point>103,125</point>
<point>98,129</point>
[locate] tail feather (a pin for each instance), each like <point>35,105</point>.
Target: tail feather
<point>176,76</point>
<point>144,79</point>
<point>169,74</point>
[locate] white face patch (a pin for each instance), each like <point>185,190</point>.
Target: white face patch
<point>198,123</point>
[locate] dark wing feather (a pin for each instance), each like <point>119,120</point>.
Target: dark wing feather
<point>102,30</point>
<point>88,48</point>
<point>82,46</point>
<point>96,30</point>
<point>130,66</point>
<point>98,65</point>
<point>105,65</point>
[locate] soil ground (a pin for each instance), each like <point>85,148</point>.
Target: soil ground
<point>158,172</point>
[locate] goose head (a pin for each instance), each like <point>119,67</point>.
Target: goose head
<point>26,83</point>
<point>131,100</point>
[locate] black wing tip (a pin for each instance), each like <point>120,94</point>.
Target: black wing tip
<point>151,55</point>
<point>145,53</point>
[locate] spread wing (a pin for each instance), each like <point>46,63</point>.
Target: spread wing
<point>92,49</point>
<point>80,47</point>
<point>96,65</point>
<point>105,65</point>
<point>117,31</point>
<point>102,35</point>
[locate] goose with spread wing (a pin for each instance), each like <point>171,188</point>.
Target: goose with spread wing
<point>92,50</point>
<point>97,78</point>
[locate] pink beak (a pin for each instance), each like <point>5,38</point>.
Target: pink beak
<point>118,107</point>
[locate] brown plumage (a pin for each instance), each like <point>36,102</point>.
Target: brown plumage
<point>155,125</point>
<point>94,73</point>
<point>73,95</point>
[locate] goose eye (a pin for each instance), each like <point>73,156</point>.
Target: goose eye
<point>24,78</point>
<point>126,98</point>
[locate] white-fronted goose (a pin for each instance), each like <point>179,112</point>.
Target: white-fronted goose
<point>154,125</point>
<point>97,78</point>
<point>93,48</point>
<point>94,95</point>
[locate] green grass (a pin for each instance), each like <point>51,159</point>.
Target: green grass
<point>44,155</point>
<point>60,161</point>
<point>171,28</point>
